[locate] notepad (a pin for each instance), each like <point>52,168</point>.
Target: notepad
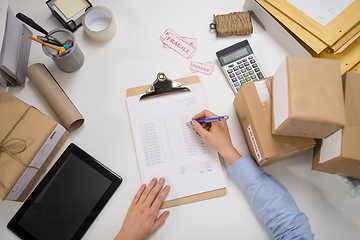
<point>70,7</point>
<point>167,147</point>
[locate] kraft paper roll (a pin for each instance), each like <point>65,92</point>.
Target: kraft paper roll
<point>99,24</point>
<point>54,95</point>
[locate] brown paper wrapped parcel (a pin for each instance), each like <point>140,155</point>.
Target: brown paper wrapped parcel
<point>308,99</point>
<point>28,141</point>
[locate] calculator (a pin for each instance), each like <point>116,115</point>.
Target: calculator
<point>239,64</point>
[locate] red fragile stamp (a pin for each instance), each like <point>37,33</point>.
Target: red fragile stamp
<point>253,141</point>
<point>206,68</point>
<point>177,43</point>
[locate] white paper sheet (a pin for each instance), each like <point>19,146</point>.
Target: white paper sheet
<point>331,147</point>
<point>322,11</point>
<point>11,41</point>
<point>281,95</point>
<point>167,147</point>
<point>3,12</point>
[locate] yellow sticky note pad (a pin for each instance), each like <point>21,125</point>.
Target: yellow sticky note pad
<point>71,7</point>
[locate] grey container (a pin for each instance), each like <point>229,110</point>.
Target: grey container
<point>73,60</point>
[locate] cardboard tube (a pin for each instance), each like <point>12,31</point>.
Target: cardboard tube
<point>55,96</point>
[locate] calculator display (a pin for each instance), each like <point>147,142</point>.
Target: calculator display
<point>235,55</point>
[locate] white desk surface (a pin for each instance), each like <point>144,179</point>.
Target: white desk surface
<point>133,58</point>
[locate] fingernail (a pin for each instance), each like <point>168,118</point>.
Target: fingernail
<point>162,179</point>
<point>154,180</point>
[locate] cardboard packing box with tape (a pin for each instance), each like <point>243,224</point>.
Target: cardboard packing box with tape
<point>339,153</point>
<point>28,141</point>
<point>308,99</point>
<point>253,104</point>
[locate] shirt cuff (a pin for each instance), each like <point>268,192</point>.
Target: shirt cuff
<point>245,171</point>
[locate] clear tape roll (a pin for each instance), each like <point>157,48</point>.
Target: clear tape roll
<point>99,24</point>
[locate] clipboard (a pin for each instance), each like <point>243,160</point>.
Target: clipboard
<point>193,198</point>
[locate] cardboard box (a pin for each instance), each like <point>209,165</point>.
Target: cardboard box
<point>253,104</point>
<point>340,153</point>
<point>308,99</point>
<point>28,141</point>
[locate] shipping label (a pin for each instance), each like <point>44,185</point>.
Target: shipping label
<point>38,161</point>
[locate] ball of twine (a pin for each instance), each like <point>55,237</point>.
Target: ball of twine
<point>236,23</point>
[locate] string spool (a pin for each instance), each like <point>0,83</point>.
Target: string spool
<point>235,23</point>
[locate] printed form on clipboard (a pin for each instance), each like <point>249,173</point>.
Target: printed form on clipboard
<point>167,147</point>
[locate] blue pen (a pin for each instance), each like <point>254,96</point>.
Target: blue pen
<point>206,120</point>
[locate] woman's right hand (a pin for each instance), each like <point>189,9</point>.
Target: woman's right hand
<point>217,135</point>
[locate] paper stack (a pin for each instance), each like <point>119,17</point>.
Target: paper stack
<point>327,29</point>
<point>14,48</point>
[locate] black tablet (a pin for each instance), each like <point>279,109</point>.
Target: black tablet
<point>68,198</point>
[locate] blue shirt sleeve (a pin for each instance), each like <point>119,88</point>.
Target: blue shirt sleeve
<point>272,202</point>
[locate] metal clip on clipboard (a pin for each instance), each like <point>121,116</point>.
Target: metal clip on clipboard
<point>162,86</point>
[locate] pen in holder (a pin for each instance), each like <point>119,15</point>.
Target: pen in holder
<point>70,60</point>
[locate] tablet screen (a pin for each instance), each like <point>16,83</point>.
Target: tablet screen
<point>67,200</point>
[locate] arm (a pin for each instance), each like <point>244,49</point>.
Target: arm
<point>141,220</point>
<point>271,200</point>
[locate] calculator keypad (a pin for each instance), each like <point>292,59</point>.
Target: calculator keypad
<point>243,71</point>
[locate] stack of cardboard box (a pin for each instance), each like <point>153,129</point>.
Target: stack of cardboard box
<point>339,153</point>
<point>253,104</point>
<point>304,100</point>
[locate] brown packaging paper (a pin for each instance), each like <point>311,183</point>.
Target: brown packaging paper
<point>28,140</point>
<point>340,153</point>
<point>253,104</point>
<point>308,100</point>
<point>54,95</point>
